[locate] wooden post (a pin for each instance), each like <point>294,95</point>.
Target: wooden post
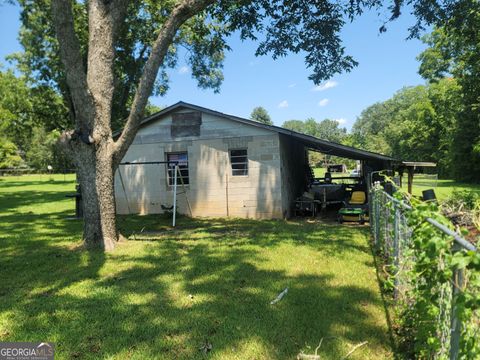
<point>410,179</point>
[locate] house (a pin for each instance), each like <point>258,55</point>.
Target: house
<point>230,166</point>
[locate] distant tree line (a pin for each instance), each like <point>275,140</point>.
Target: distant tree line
<point>31,118</point>
<point>439,121</point>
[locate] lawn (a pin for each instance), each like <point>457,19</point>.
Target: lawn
<point>443,188</point>
<point>167,296</point>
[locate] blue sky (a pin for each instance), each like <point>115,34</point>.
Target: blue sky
<point>386,64</point>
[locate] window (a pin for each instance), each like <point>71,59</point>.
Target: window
<point>239,161</point>
<point>182,159</point>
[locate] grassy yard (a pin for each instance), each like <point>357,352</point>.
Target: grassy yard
<point>165,297</point>
<point>443,188</point>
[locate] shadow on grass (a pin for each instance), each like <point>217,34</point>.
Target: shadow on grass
<point>205,282</point>
<point>141,303</point>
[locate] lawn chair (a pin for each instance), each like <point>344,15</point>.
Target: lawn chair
<point>354,209</point>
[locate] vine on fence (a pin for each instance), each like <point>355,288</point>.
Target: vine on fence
<point>426,307</point>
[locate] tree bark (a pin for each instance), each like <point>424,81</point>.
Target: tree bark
<point>96,177</point>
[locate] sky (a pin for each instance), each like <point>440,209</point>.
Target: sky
<point>387,62</point>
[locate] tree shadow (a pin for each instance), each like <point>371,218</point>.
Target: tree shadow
<point>207,282</point>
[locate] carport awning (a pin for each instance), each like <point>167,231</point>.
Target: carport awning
<point>331,148</point>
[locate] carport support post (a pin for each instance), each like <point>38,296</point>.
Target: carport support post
<point>410,179</point>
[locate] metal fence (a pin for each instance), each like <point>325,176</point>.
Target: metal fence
<point>393,239</point>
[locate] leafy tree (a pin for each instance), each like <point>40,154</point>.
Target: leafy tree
<point>415,124</point>
<point>44,151</point>
<point>111,67</point>
<point>15,110</point>
<point>9,157</point>
<point>295,125</point>
<point>261,115</point>
<point>326,129</point>
<point>23,111</point>
<point>453,51</point>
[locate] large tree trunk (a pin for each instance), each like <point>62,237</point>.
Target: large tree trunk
<point>95,173</point>
<point>95,153</point>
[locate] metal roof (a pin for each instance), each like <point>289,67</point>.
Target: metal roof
<point>324,146</point>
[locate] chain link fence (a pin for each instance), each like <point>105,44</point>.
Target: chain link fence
<point>393,238</point>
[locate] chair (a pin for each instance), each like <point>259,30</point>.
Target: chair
<point>357,198</point>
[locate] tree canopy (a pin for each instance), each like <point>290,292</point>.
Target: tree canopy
<point>416,124</point>
<point>326,129</point>
<point>261,115</point>
<point>453,52</point>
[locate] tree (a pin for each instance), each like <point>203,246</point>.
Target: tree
<point>128,43</point>
<point>91,69</point>
<point>415,124</point>
<point>9,157</point>
<point>453,51</point>
<point>25,112</point>
<point>326,129</point>
<point>261,115</point>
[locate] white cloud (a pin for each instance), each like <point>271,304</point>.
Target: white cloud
<point>292,85</point>
<point>341,121</point>
<point>183,70</point>
<point>323,102</point>
<point>283,104</point>
<point>325,85</point>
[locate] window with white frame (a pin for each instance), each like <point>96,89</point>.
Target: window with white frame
<point>181,160</point>
<point>239,162</point>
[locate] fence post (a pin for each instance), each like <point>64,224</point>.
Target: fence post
<point>377,216</point>
<point>455,324</point>
<point>396,247</point>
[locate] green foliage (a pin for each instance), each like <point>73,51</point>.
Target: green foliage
<point>44,151</point>
<point>9,157</point>
<point>430,260</point>
<point>453,51</point>
<point>25,114</point>
<point>326,129</point>
<point>261,115</point>
<point>279,26</point>
<point>416,124</point>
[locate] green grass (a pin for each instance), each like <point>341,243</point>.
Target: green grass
<point>443,188</point>
<point>165,296</point>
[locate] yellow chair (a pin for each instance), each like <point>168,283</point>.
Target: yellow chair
<point>357,198</point>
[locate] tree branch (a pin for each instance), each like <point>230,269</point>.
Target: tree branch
<point>181,13</point>
<point>72,61</point>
